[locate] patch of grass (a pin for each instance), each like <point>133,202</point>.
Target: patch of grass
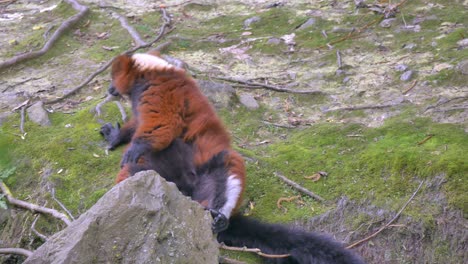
<point>382,164</point>
<point>71,158</point>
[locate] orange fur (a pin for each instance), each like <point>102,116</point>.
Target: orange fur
<point>174,107</point>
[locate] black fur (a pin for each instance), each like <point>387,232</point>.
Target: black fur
<point>304,247</point>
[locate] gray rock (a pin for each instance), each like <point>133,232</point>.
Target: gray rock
<point>248,101</point>
<point>406,76</point>
<point>409,46</point>
<point>386,23</point>
<point>463,43</point>
<point>401,67</point>
<point>463,67</point>
<point>4,116</point>
<point>310,22</point>
<point>144,219</point>
<point>38,114</point>
<point>221,95</point>
<point>274,41</point>
<point>251,20</point>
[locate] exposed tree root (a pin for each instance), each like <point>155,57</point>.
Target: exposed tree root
<point>32,207</point>
<point>162,32</point>
<point>254,85</point>
<point>16,251</point>
<point>67,24</point>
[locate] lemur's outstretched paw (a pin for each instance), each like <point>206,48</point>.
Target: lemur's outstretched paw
<point>220,221</point>
<point>111,134</point>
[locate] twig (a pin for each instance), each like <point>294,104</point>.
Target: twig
<point>445,102</point>
<point>338,58</point>
<point>67,24</point>
<point>363,107</point>
<point>122,110</point>
<point>411,87</point>
<point>33,228</point>
<point>16,251</point>
<point>253,250</point>
<point>20,83</point>
<point>136,37</point>
<point>389,222</point>
<point>32,207</point>
<point>61,204</point>
<point>22,119</point>
<point>226,260</point>
<point>277,125</point>
<point>299,187</point>
<point>166,24</point>
<point>425,139</point>
<point>255,85</point>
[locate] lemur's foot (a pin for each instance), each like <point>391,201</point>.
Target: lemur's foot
<point>220,221</point>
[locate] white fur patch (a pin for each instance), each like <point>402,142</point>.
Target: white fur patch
<point>233,189</point>
<point>147,62</point>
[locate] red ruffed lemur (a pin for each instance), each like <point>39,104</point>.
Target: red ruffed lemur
<point>175,132</point>
<point>168,105</point>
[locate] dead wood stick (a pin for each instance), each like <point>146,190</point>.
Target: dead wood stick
<point>23,108</point>
<point>338,58</point>
<point>16,251</point>
<point>253,250</point>
<point>425,139</point>
<point>363,107</point>
<point>67,24</point>
<point>275,88</point>
<point>445,102</point>
<point>299,187</point>
<point>61,204</point>
<point>131,30</point>
<point>33,229</point>
<point>389,222</point>
<point>32,207</point>
<point>162,31</point>
<point>411,87</point>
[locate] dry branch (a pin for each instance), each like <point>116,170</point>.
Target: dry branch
<point>67,24</point>
<point>32,207</point>
<point>37,233</point>
<point>61,205</point>
<point>136,37</point>
<point>275,88</point>
<point>364,107</point>
<point>162,31</point>
<point>22,119</point>
<point>389,222</point>
<point>16,251</point>
<point>299,187</point>
<point>253,250</point>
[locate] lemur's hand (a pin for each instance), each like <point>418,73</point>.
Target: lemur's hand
<point>111,134</point>
<point>134,152</point>
<point>220,221</point>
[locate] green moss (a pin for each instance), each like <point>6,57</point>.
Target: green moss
<point>69,154</point>
<point>381,165</point>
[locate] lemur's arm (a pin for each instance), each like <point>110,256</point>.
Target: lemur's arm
<point>117,135</point>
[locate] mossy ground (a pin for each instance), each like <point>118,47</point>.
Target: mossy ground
<point>383,165</point>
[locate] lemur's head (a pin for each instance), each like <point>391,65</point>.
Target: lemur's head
<point>127,69</point>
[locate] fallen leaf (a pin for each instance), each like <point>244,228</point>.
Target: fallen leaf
<point>96,155</point>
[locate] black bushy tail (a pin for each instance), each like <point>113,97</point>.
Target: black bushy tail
<point>304,247</point>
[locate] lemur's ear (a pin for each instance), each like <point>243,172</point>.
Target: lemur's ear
<point>121,65</point>
<point>121,73</point>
